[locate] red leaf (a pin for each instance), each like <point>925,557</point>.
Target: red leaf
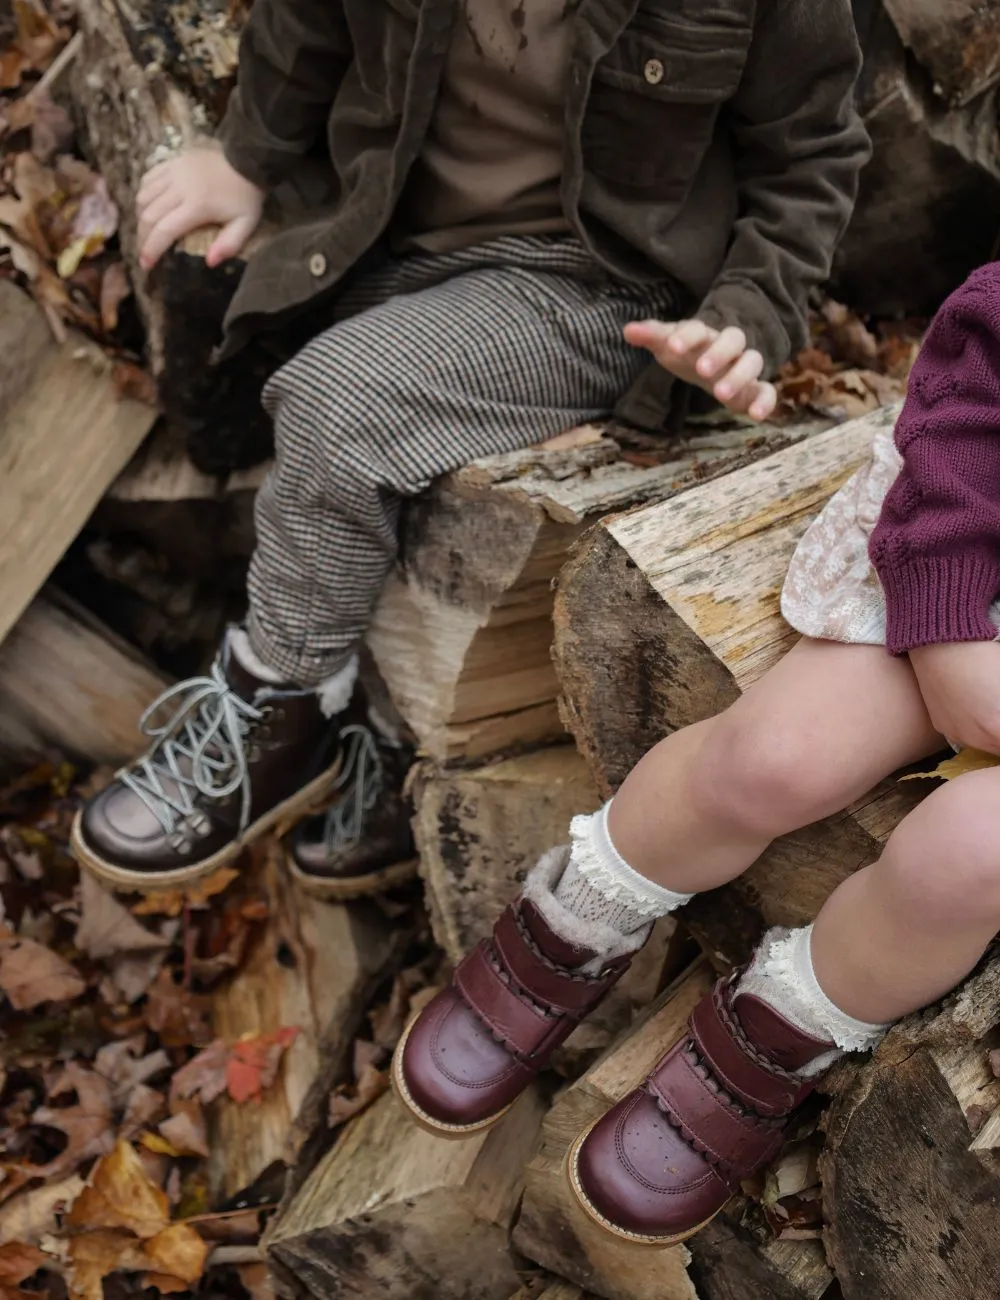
<point>253,1063</point>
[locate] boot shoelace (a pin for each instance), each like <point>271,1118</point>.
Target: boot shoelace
<point>199,752</point>
<point>357,789</point>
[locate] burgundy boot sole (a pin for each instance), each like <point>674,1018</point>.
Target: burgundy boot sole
<point>612,1229</point>
<point>453,1132</point>
<point>302,802</point>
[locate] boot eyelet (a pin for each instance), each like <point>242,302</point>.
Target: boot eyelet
<point>253,755</point>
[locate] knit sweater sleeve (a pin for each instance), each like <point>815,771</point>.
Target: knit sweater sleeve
<point>936,547</point>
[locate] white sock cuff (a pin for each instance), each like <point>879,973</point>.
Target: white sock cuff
<point>595,935</point>
<point>248,658</point>
<point>782,974</point>
<point>335,693</point>
<point>595,857</point>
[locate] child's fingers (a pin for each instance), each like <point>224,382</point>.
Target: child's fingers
<point>158,209</point>
<point>727,348</point>
<point>748,368</point>
<point>764,403</point>
<point>155,182</point>
<point>649,334</point>
<point>231,240</point>
<point>689,335</point>
<point>164,234</point>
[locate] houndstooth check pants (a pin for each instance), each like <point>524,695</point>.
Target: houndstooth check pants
<point>433,360</point>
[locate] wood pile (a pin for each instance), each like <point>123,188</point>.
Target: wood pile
<point>553,614</point>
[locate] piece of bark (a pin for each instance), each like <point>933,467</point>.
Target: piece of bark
<point>666,614</point>
<point>64,437</point>
<point>727,1264</point>
<point>909,1193</point>
<point>314,968</point>
<point>479,832</point>
<point>70,687</point>
<point>395,1213</point>
<point>552,1229</point>
<point>462,636</point>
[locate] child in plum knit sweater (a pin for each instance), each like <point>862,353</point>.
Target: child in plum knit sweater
<point>894,587</point>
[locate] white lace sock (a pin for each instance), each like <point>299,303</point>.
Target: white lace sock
<point>334,693</point>
<point>782,975</point>
<point>599,885</point>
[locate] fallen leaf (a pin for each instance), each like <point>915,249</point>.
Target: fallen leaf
<point>120,1195</point>
<point>177,1251</point>
<point>173,902</point>
<point>108,930</point>
<point>253,1063</point>
<point>176,1014</point>
<point>204,1076</point>
<point>31,1215</point>
<point>345,1103</point>
<point>52,129</point>
<point>159,1145</point>
<point>31,974</point>
<point>969,760</point>
<point>115,288</point>
<point>165,1284</point>
<point>994,1060</point>
<point>96,218</point>
<point>138,385</point>
<point>257,1281</point>
<point>86,1125</point>
<point>853,342</point>
<point>185,1129</point>
<point>125,1066</point>
<point>95,1255</point>
<point>145,1106</point>
<point>18,1261</point>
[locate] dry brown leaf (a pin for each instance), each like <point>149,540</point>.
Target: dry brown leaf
<point>52,129</point>
<point>115,288</point>
<point>85,1125</point>
<point>166,1284</point>
<point>177,1251</point>
<point>108,930</point>
<point>172,902</point>
<point>204,1076</point>
<point>125,1065</point>
<point>31,1215</point>
<point>137,385</point>
<point>145,1106</point>
<point>31,974</point>
<point>18,1261</point>
<point>176,1014</point>
<point>120,1195</point>
<point>94,1255</point>
<point>185,1129</point>
<point>345,1104</point>
<point>257,1281</point>
<point>853,342</point>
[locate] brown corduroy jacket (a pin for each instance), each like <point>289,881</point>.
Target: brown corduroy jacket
<point>711,141</point>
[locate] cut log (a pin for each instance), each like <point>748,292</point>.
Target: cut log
<point>394,1213</point>
<point>666,614</point>
<point>152,79</point>
<point>314,968</point>
<point>479,833</point>
<point>63,439</point>
<point>911,1173</point>
<point>720,1263</point>
<point>70,687</point>
<point>552,1229</point>
<point>933,178</point>
<point>551,1290</point>
<point>463,634</point>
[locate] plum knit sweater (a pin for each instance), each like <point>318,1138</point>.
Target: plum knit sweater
<point>937,544</point>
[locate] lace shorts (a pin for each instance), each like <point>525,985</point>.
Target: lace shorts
<point>832,591</point>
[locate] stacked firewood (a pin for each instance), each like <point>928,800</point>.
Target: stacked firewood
<point>554,613</point>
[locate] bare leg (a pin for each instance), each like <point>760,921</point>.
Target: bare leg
<point>818,731</point>
<point>902,932</point>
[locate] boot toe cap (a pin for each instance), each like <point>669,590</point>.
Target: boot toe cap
<point>637,1175</point>
<point>454,1071</point>
<point>117,826</point>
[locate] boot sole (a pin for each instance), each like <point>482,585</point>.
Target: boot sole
<point>374,882</point>
<point>612,1229</point>
<point>148,882</point>
<point>452,1132</point>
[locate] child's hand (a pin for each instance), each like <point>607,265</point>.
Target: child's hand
<point>960,683</point>
<point>199,188</point>
<point>720,363</point>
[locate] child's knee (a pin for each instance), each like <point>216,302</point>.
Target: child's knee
<point>764,778</point>
<point>947,852</point>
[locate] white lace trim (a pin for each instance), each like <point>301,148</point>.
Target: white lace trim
<point>595,857</point>
<point>783,976</point>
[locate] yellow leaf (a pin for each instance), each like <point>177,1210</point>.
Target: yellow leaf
<point>121,1195</point>
<point>71,257</point>
<point>153,1142</point>
<point>177,1251</point>
<point>968,760</point>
